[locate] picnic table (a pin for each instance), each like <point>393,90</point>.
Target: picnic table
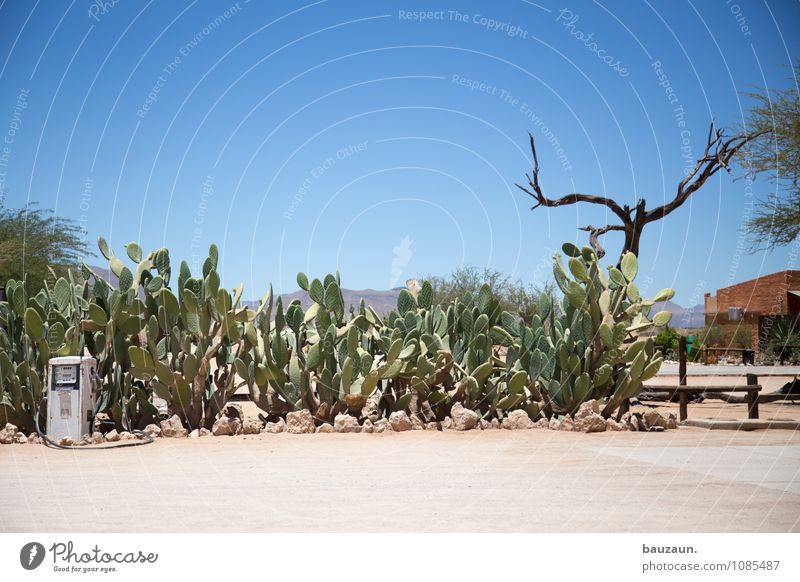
<point>748,355</point>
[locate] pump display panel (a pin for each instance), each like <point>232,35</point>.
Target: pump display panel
<point>65,375</point>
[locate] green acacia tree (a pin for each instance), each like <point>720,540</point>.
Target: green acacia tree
<point>776,221</point>
<point>33,240</point>
<point>514,295</point>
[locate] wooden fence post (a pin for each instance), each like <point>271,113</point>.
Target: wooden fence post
<point>752,397</point>
<point>682,361</point>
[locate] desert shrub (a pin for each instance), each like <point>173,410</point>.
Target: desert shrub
<point>783,334</point>
<point>515,296</point>
<point>711,336</point>
<point>667,338</point>
<point>741,337</point>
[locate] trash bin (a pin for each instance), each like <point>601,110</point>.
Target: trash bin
<point>749,357</point>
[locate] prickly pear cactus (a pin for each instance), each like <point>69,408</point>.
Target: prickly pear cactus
<point>188,342</point>
<point>591,349</point>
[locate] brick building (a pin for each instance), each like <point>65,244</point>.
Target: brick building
<point>756,303</point>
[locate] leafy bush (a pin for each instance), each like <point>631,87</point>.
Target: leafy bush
<point>514,296</point>
<point>783,334</point>
<point>667,339</point>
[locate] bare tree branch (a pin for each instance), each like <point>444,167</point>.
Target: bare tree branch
<point>717,155</point>
<point>535,192</point>
<point>595,232</point>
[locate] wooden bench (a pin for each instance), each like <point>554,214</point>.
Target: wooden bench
<point>752,389</point>
<point>704,350</point>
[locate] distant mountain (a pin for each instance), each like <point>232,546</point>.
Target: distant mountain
<point>384,301</point>
<point>682,317</point>
<point>106,274</point>
<point>381,301</point>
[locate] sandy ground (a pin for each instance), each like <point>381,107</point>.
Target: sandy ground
<point>768,383</point>
<point>697,369</point>
<point>683,480</point>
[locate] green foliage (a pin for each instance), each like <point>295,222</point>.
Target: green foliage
<point>742,337</point>
<point>515,296</point>
<point>33,242</point>
<point>776,221</point>
<point>667,339</point>
<point>783,334</point>
<point>711,336</point>
<point>190,344</point>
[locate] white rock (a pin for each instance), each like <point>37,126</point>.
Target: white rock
<point>112,436</point>
<point>553,424</point>
<point>345,423</point>
<point>672,420</point>
<point>591,423</point>
<point>382,425</point>
<point>496,424</point>
<point>632,421</point>
<point>68,442</point>
<point>400,421</point>
<point>463,418</point>
<point>195,434</point>
<point>447,423</point>
<point>300,422</point>
<point>173,427</point>
<point>367,426</point>
<point>653,419</point>
<point>431,426</point>
<point>517,420</point>
<point>416,423</point>
<point>542,423</point>
<point>587,409</point>
<point>152,430</point>
<point>204,432</point>
<point>251,426</point>
<point>614,426</point>
<point>567,424</point>
<point>325,427</point>
<point>97,438</point>
<point>226,426</point>
<point>8,434</point>
<point>275,427</point>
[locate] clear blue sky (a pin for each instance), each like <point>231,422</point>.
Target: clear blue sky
<point>354,135</point>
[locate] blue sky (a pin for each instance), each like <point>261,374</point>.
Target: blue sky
<point>385,143</point>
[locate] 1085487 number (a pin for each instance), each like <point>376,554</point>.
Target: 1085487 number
<point>747,565</point>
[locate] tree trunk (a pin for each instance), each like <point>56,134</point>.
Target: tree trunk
<point>633,233</point>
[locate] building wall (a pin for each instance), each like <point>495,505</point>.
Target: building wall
<point>765,295</point>
<point>763,299</point>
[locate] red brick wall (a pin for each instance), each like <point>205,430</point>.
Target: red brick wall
<point>765,295</point>
<point>760,298</point>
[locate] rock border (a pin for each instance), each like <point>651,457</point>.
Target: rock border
<point>231,423</point>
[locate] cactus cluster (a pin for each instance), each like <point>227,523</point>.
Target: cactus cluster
<point>33,329</point>
<point>190,344</point>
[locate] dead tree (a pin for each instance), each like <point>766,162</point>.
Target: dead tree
<point>718,154</point>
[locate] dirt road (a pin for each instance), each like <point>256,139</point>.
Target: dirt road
<point>681,480</point>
